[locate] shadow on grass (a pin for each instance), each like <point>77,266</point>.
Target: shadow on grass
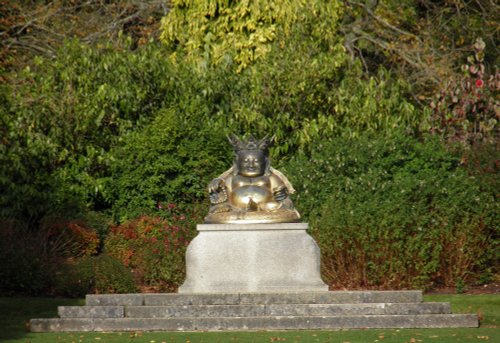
<point>15,313</point>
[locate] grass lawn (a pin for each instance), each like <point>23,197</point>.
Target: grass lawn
<point>15,312</point>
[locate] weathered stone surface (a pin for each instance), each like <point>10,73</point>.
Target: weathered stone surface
<point>255,323</point>
<point>285,310</point>
<point>355,309</point>
<point>165,299</point>
<point>114,299</point>
<point>90,311</point>
<point>232,258</point>
<point>146,324</point>
<point>252,311</point>
<point>395,321</point>
<point>61,324</point>
<point>191,299</point>
<point>349,297</point>
<point>196,311</point>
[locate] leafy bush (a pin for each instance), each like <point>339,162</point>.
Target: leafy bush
<point>394,212</point>
<point>467,108</point>
<point>62,116</point>
<point>153,248</point>
<point>482,162</point>
<point>169,162</point>
<point>97,274</point>
<point>61,238</point>
<point>22,269</point>
<point>30,259</point>
<point>304,92</point>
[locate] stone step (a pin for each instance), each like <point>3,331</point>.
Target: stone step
<point>91,311</point>
<point>284,310</point>
<point>253,323</point>
<point>339,297</point>
<point>252,310</point>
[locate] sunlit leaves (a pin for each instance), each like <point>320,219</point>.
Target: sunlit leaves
<point>211,32</point>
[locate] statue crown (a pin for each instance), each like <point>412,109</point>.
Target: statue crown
<point>251,143</point>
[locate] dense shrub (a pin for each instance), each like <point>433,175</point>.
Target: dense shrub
<point>394,212</point>
<point>22,269</point>
<point>303,92</point>
<point>467,108</point>
<point>96,274</point>
<point>483,163</point>
<point>60,238</point>
<point>29,259</point>
<point>153,248</point>
<point>168,162</point>
<point>62,116</point>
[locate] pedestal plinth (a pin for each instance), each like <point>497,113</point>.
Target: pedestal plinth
<point>229,258</point>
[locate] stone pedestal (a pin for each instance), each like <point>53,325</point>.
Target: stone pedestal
<point>226,258</point>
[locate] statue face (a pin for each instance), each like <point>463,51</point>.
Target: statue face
<point>251,163</point>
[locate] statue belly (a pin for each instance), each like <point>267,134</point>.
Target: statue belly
<point>240,196</point>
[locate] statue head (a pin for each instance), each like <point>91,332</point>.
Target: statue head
<point>251,155</point>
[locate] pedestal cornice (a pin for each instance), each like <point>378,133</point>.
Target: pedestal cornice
<point>252,227</point>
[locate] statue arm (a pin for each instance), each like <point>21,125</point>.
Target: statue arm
<point>279,188</point>
<point>226,173</point>
<point>283,179</point>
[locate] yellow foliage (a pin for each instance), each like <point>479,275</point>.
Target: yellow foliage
<point>211,31</point>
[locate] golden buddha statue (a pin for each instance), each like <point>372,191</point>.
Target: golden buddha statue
<point>251,191</point>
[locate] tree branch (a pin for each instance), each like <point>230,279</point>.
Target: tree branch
<point>382,21</point>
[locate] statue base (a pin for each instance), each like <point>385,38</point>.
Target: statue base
<point>249,258</point>
<point>257,217</point>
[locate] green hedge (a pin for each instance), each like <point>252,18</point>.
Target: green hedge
<point>62,115</point>
<point>396,212</point>
<point>169,161</point>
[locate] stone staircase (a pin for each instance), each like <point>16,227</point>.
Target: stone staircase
<point>254,311</point>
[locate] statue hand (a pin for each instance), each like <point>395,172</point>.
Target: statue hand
<point>215,185</point>
<point>280,193</point>
<point>217,191</point>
